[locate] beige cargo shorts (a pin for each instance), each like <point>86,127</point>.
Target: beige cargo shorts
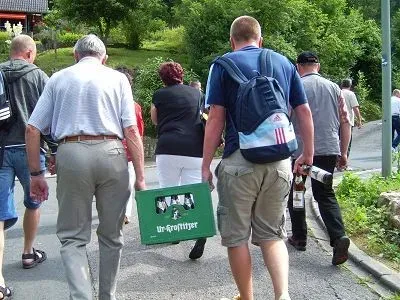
<point>252,200</point>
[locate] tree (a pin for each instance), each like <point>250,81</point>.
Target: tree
<point>146,18</point>
<point>170,8</point>
<point>345,42</point>
<point>104,14</point>
<point>371,9</point>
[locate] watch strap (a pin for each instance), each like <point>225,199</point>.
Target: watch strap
<point>37,173</point>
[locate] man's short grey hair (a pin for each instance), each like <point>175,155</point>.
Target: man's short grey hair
<point>347,83</point>
<point>90,45</point>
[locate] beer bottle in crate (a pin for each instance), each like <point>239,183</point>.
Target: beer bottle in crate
<point>174,199</point>
<point>299,190</point>
<point>161,205</point>
<point>188,202</point>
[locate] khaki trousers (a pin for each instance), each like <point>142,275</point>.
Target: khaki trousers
<point>86,169</point>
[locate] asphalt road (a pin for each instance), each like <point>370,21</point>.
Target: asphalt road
<point>366,149</point>
<point>165,271</point>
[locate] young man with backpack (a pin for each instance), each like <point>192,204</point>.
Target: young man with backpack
<point>249,91</point>
<point>25,83</point>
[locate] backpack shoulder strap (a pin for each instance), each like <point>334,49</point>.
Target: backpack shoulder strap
<point>232,69</point>
<point>265,61</point>
<point>5,84</point>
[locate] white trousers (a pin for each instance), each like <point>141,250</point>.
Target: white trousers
<point>131,170</point>
<point>174,170</point>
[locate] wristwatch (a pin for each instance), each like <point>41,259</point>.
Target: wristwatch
<point>37,173</point>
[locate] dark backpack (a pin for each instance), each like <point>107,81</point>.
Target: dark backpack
<point>6,112</point>
<point>262,121</point>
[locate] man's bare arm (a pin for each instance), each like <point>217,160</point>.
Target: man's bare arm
<point>39,189</point>
<point>212,140</point>
<point>135,148</point>
<point>357,113</point>
<point>32,140</point>
<point>306,127</point>
<point>153,114</point>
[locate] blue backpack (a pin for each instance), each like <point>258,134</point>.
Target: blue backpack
<point>262,121</point>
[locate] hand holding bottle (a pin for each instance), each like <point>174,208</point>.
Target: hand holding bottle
<point>318,174</point>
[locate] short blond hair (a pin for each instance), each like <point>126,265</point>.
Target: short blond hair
<point>245,29</point>
<point>22,43</point>
<point>396,92</point>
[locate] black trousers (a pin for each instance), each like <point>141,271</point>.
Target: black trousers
<point>327,203</point>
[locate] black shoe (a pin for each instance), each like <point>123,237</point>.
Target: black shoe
<point>198,249</point>
<point>341,250</point>
<point>298,244</point>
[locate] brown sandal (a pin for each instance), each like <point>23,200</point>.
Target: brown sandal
<point>36,258</point>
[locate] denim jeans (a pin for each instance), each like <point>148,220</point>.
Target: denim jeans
<point>15,164</point>
<point>395,127</point>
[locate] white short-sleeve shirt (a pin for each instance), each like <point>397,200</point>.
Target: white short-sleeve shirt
<point>351,101</point>
<point>87,98</point>
<point>395,104</point>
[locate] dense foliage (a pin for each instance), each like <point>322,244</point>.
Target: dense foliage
<point>344,40</point>
<point>345,33</point>
<point>363,217</point>
<point>104,14</point>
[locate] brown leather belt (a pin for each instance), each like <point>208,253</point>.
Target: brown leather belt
<point>77,138</point>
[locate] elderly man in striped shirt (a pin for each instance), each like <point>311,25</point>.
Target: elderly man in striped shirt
<point>330,116</point>
<point>88,108</point>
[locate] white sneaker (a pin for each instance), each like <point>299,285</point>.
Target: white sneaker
<point>237,297</point>
<point>284,297</point>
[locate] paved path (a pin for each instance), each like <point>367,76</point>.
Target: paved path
<point>165,272</point>
<point>366,149</point>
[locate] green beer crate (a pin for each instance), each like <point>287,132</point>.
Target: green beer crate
<point>175,214</point>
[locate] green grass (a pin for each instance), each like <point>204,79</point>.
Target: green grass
<point>51,62</point>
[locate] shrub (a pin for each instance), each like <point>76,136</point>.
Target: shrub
<point>147,82</point>
<point>68,39</point>
<point>47,38</point>
<point>369,110</point>
<point>168,39</point>
<point>363,217</point>
<point>4,47</point>
<point>155,25</point>
<point>117,36</point>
